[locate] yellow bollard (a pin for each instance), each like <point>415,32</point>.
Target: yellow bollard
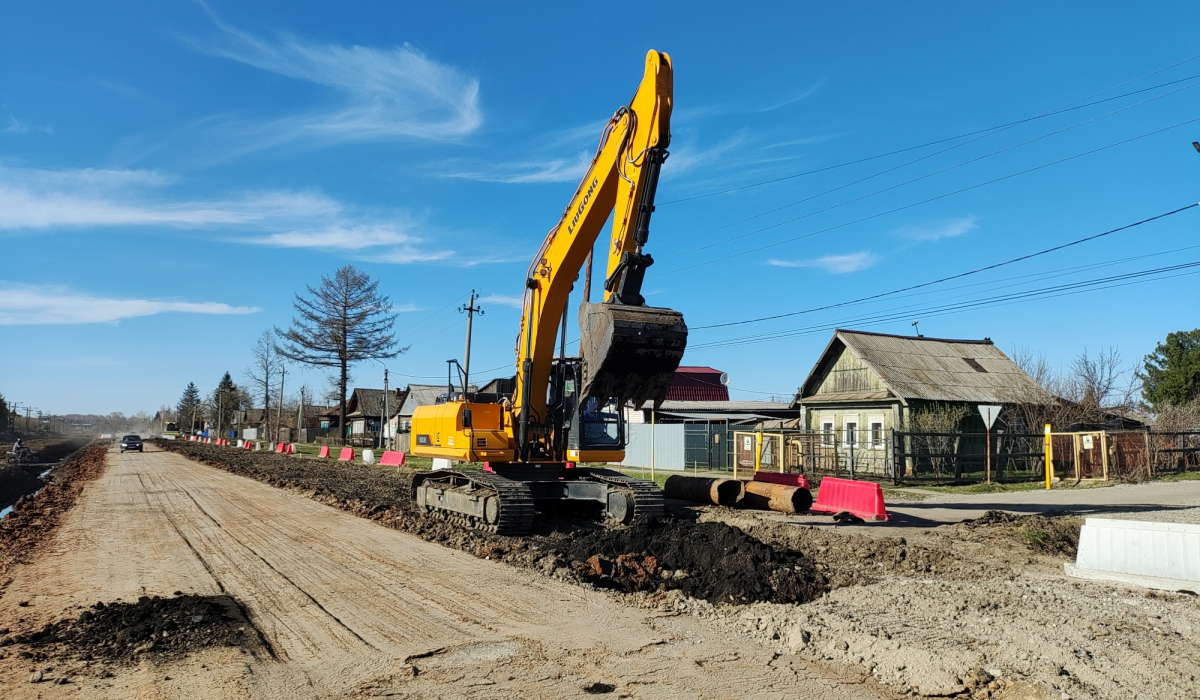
<point>1048,453</point>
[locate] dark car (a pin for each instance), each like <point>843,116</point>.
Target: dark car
<point>131,442</point>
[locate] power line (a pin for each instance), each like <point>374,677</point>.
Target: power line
<point>924,201</point>
<point>1003,299</point>
<point>900,184</point>
<point>1061,110</point>
<point>960,275</point>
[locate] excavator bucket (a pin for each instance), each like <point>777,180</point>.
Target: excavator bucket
<point>629,352</point>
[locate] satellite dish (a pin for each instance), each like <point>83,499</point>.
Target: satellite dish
<point>724,379</point>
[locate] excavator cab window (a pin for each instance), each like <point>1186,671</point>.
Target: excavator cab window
<point>602,426</point>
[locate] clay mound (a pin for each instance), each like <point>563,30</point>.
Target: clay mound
<point>156,627</point>
<point>713,561</point>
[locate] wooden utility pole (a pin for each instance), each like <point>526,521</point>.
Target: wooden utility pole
<point>279,411</point>
<point>470,309</point>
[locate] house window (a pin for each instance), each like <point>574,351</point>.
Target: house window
<point>875,432</point>
<point>850,431</point>
<point>827,433</point>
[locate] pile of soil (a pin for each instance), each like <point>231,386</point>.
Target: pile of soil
<point>712,561</point>
<point>1052,532</point>
<point>35,517</point>
<point>18,480</point>
<point>719,563</point>
<point>152,627</point>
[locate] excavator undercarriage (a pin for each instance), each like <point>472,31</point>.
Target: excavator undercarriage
<point>505,499</point>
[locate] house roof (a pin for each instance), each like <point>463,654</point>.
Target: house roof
<point>928,369</point>
<point>369,402</point>
<point>424,394</point>
<point>722,406</point>
<point>697,384</point>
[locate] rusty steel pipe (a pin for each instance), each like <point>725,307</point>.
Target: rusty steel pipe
<point>722,492</point>
<point>777,497</point>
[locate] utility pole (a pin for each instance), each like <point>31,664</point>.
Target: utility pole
<point>300,411</point>
<point>384,418</point>
<point>470,310</point>
<point>587,278</point>
<point>279,411</point>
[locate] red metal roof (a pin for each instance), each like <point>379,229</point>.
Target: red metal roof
<point>697,384</point>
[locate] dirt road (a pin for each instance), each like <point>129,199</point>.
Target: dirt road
<point>347,607</point>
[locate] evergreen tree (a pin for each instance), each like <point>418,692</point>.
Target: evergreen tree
<point>189,407</point>
<point>224,403</point>
<point>1171,374</point>
<point>3,414</point>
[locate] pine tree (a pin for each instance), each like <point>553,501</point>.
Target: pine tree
<point>344,321</point>
<point>3,414</point>
<point>1171,374</point>
<point>224,403</point>
<point>189,406</point>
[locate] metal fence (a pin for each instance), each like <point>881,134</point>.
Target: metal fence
<point>928,457</point>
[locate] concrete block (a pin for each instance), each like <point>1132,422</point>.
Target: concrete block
<point>439,463</point>
<point>1153,554</point>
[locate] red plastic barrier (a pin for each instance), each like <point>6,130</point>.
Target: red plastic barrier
<point>347,455</point>
<point>249,445</point>
<point>324,453</point>
<point>782,479</point>
<point>392,459</point>
<point>862,498</point>
<point>290,449</point>
<point>279,448</point>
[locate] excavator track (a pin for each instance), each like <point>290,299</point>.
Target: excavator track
<point>514,506</point>
<point>647,497</point>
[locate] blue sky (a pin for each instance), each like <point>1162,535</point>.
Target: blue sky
<point>172,173</point>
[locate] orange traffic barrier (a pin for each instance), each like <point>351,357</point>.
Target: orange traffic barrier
<point>392,459</point>
<point>862,498</point>
<point>347,455</point>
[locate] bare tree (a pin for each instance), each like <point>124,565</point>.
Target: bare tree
<point>343,321</point>
<point>935,425</point>
<point>265,363</point>
<point>1095,382</point>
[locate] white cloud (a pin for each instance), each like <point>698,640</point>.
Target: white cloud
<point>26,305</point>
<point>950,228</point>
<point>341,238</point>
<point>40,199</point>
<point>45,199</point>
<point>552,170</point>
<point>837,264</point>
<point>16,126</point>
<point>385,93</point>
<point>501,300</point>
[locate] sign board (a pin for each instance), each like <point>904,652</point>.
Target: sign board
<point>1087,442</point>
<point>989,414</point>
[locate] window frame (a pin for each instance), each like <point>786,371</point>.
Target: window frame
<point>847,433</point>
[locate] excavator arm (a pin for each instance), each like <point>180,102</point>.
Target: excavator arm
<point>629,350</point>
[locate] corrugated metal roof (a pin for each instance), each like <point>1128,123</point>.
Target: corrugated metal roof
<point>422,395</point>
<point>847,396</point>
<point>723,406</point>
<point>936,369</point>
<point>697,384</point>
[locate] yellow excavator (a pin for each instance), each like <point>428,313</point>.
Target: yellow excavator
<point>565,411</point>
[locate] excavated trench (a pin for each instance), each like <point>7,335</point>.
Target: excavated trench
<point>17,480</point>
<point>713,561</point>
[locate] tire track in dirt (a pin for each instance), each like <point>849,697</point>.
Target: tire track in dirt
<point>427,621</point>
